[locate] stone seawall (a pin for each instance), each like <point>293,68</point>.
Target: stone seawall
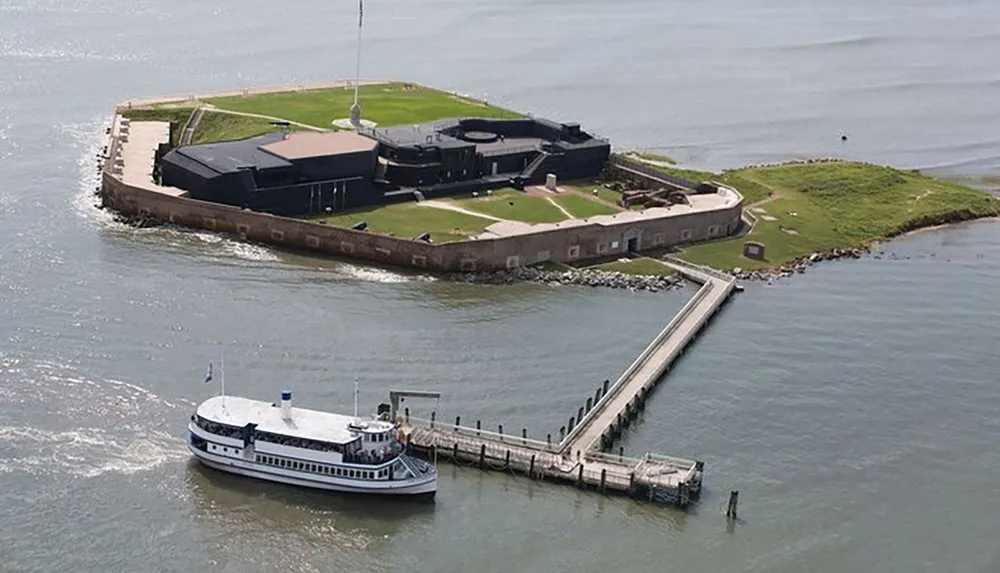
<point>574,243</point>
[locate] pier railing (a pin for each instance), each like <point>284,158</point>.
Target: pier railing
<point>698,268</point>
<point>643,357</point>
<point>511,439</point>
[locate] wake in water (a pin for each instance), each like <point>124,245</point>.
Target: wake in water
<point>90,139</point>
<point>68,423</point>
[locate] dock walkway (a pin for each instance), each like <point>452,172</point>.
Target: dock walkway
<point>579,457</point>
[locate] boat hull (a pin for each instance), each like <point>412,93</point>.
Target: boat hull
<point>422,488</point>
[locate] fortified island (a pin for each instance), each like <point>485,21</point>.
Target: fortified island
<point>444,182</point>
<point>448,183</point>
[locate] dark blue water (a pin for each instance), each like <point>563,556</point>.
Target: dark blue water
<point>854,407</point>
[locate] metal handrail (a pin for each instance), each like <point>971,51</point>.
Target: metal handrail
<point>616,387</point>
<point>507,439</point>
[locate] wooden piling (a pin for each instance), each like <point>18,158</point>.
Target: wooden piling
<point>621,453</point>
<point>606,383</point>
<point>631,483</point>
<point>506,461</point>
<point>433,415</point>
<point>531,468</point>
<point>579,415</point>
<point>734,498</point>
<point>597,395</point>
<point>458,422</point>
<point>590,404</point>
<point>500,431</point>
<point>482,457</point>
<point>454,452</point>
<point>548,440</point>
<point>579,477</point>
<point>406,411</point>
<point>524,435</point>
<point>562,432</point>
<point>479,427</point>
<point>570,428</point>
<point>604,475</point>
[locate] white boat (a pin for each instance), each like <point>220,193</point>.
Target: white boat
<point>309,448</point>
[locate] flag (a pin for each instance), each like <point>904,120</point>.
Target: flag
<point>361,12</point>
<point>208,376</point>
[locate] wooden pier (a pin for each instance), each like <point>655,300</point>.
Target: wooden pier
<point>580,456</point>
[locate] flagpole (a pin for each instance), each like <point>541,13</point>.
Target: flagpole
<point>357,67</point>
<point>356,109</point>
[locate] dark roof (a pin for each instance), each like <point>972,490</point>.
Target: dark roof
<point>230,156</point>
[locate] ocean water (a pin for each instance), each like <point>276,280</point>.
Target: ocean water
<point>854,407</point>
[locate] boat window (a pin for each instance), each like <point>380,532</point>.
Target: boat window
<point>283,463</point>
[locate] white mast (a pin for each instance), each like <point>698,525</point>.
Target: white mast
<point>355,397</point>
<point>222,376</point>
<point>356,108</point>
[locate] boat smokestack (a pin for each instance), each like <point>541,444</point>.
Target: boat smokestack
<point>286,404</point>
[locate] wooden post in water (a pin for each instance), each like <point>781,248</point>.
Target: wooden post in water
<point>433,414</point>
<point>500,431</point>
<point>734,498</point>
<point>548,440</point>
<point>562,432</point>
<point>479,427</point>
<point>524,435</point>
<point>579,415</point>
<point>631,482</point>
<point>606,382</point>
<point>621,453</point>
<point>458,422</point>
<point>597,395</point>
<point>482,457</point>
<point>570,427</point>
<point>579,477</point>
<point>590,404</point>
<point>531,469</point>
<point>454,452</point>
<point>407,412</point>
<point>506,462</point>
<point>604,475</point>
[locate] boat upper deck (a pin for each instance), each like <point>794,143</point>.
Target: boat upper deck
<point>303,423</point>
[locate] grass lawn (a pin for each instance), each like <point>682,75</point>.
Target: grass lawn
<point>514,206</point>
<point>641,266</point>
<point>587,186</point>
<point>385,104</point>
<point>582,207</point>
<point>823,206</point>
<point>554,266</point>
<point>408,220</point>
<point>177,116</point>
<point>216,126</point>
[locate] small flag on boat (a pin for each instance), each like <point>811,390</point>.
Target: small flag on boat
<point>208,376</point>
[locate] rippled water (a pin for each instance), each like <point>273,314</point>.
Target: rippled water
<point>854,407</point>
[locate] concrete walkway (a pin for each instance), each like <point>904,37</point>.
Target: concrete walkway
<point>450,207</point>
<point>560,207</point>
<point>606,416</point>
<point>214,109</point>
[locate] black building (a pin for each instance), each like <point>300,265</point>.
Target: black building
<point>309,172</point>
<point>295,174</point>
<point>459,155</point>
